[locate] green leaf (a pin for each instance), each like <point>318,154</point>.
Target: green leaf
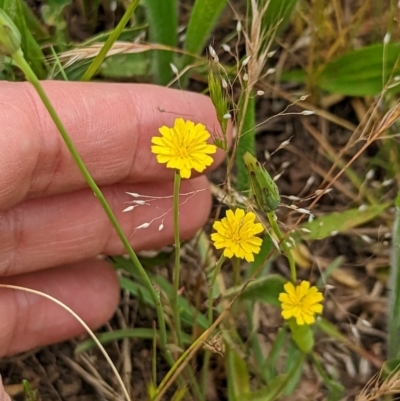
<point>302,335</point>
<point>340,222</point>
<point>279,12</point>
<point>260,259</point>
<point>271,392</point>
<point>238,376</point>
<point>32,52</point>
<point>125,66</point>
<point>361,72</point>
<point>265,289</point>
<point>394,286</point>
<point>203,18</point>
<point>35,26</point>
<point>163,27</point>
<point>246,140</point>
<point>141,333</point>
<point>275,352</point>
<point>189,314</point>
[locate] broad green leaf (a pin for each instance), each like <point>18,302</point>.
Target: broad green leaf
<point>361,72</point>
<point>141,333</point>
<point>125,66</point>
<point>394,287</point>
<point>163,27</point>
<point>203,18</point>
<point>265,289</point>
<point>302,335</point>
<point>339,222</point>
<point>32,52</point>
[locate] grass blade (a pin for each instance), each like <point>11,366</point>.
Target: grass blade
<point>394,285</point>
<point>204,16</point>
<point>246,141</point>
<point>94,66</point>
<point>163,23</point>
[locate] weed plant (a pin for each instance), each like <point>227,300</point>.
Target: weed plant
<point>256,255</point>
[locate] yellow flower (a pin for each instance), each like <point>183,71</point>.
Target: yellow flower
<point>184,147</point>
<point>301,302</point>
<point>237,234</point>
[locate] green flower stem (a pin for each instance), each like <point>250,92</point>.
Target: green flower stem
<point>177,266</point>
<point>20,61</point>
<point>287,251</point>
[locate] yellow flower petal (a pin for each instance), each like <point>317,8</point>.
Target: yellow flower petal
<point>184,147</point>
<point>301,302</point>
<point>236,233</point>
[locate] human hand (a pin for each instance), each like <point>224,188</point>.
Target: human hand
<point>51,225</point>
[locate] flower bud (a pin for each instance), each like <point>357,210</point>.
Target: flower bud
<point>263,188</point>
<point>10,37</point>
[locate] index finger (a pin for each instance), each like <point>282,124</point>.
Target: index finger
<point>111,126</point>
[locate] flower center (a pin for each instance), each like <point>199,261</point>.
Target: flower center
<point>183,151</point>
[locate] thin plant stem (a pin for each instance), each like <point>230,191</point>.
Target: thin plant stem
<point>94,66</point>
<point>287,251</point>
<point>207,354</point>
<point>20,61</point>
<point>177,265</point>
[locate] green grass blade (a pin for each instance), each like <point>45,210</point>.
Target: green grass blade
<point>136,333</point>
<point>246,141</point>
<point>163,26</point>
<point>394,285</point>
<point>204,16</point>
<point>279,12</point>
<point>94,66</point>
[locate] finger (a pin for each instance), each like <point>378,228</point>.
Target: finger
<point>63,229</point>
<point>110,124</point>
<point>89,288</point>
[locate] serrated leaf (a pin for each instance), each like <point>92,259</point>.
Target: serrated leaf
<point>340,222</point>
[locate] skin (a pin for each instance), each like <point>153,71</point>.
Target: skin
<point>52,227</point>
